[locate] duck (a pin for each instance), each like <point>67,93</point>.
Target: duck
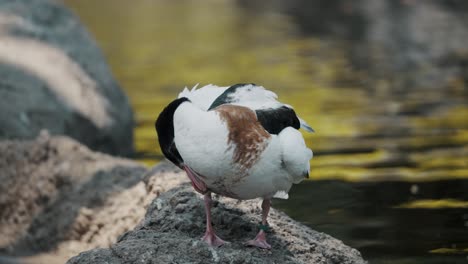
<point>236,141</point>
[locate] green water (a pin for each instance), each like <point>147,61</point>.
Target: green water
<point>390,172</point>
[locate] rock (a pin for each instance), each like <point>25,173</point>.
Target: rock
<point>54,77</point>
<point>52,191</point>
<point>175,222</point>
<point>58,198</point>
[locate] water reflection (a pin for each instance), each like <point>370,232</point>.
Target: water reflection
<point>390,107</point>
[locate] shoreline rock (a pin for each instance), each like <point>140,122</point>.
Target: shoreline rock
<point>174,223</point>
<point>59,199</point>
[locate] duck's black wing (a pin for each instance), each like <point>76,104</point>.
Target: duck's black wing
<point>274,120</point>
<point>224,98</point>
<point>165,129</point>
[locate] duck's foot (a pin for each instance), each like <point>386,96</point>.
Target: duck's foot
<point>212,239</point>
<point>259,241</point>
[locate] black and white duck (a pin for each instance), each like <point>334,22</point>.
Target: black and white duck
<point>236,141</point>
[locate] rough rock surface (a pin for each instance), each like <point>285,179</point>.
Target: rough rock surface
<point>53,76</point>
<point>174,223</point>
<point>58,198</point>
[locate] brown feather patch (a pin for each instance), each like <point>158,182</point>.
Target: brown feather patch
<point>246,134</point>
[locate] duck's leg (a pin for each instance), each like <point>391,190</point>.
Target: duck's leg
<point>197,182</point>
<point>210,236</point>
<point>260,239</point>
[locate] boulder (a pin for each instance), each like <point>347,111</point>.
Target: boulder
<point>58,198</point>
<point>175,221</point>
<point>54,77</point>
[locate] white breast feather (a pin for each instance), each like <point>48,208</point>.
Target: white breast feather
<point>201,139</point>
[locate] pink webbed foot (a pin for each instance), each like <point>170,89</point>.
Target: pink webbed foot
<point>259,241</point>
<point>212,239</point>
<point>210,236</point>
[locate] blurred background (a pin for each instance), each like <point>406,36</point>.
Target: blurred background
<point>383,83</point>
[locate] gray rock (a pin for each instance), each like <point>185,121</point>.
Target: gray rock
<point>54,77</point>
<point>58,198</point>
<point>53,191</point>
<point>174,223</point>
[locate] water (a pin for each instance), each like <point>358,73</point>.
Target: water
<point>366,216</point>
<point>390,172</point>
